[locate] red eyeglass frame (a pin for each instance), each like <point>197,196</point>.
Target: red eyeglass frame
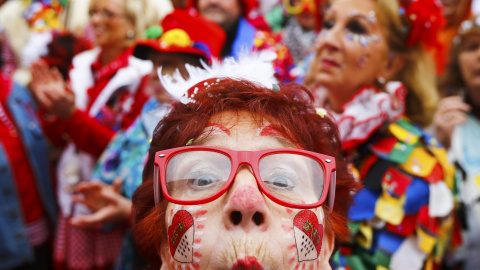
<point>251,158</point>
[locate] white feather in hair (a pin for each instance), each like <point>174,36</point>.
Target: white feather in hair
<point>256,67</point>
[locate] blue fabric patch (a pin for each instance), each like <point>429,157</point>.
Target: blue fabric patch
<point>416,196</point>
<point>363,206</point>
<point>389,242</point>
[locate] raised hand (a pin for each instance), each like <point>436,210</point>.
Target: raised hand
<point>51,91</point>
<point>450,113</point>
<point>105,201</point>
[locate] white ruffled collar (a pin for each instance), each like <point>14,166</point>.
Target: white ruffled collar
<point>367,111</point>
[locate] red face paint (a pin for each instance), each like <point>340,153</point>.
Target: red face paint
<point>200,213</point>
<point>247,197</point>
<point>220,127</point>
<point>249,263</point>
<point>180,237</point>
<point>308,235</point>
<point>268,130</point>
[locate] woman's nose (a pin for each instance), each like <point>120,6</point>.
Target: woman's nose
<point>245,208</point>
<point>329,38</point>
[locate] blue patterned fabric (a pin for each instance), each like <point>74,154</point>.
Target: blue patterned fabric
<point>125,158</point>
<point>126,154</point>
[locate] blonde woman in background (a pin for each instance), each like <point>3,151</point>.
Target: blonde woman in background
<point>372,71</point>
<point>77,19</point>
<point>104,94</point>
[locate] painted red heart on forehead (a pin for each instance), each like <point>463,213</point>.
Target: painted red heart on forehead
<point>308,235</point>
<point>180,237</point>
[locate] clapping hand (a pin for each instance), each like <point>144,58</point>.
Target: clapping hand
<point>51,91</point>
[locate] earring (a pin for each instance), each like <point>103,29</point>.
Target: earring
<point>130,34</point>
<point>381,80</point>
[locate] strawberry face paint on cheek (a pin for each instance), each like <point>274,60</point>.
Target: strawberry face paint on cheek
<point>308,235</point>
<point>184,236</point>
<point>180,237</point>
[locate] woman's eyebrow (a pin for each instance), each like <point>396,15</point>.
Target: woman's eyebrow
<point>369,18</point>
<point>219,128</point>
<point>269,130</point>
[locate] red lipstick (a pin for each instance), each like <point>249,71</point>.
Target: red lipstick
<point>329,63</point>
<point>249,263</point>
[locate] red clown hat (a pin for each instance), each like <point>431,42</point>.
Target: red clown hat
<point>183,32</point>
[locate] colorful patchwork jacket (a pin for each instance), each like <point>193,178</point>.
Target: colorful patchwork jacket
<point>403,217</point>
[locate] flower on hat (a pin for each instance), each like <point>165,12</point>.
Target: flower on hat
<point>175,37</point>
<point>426,21</point>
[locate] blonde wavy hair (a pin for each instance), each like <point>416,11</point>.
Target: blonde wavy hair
<point>418,73</point>
<point>141,13</point>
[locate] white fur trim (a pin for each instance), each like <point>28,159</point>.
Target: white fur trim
<point>129,76</point>
<point>80,76</point>
<point>255,67</point>
<point>81,80</point>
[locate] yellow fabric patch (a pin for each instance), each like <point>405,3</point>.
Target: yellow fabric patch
<point>429,264</point>
<point>390,209</point>
<point>426,242</point>
<point>420,163</point>
<point>448,168</point>
<point>402,134</point>
<point>365,236</point>
<point>477,180</point>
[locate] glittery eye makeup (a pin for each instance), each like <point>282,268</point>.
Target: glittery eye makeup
<point>363,40</point>
<point>357,29</point>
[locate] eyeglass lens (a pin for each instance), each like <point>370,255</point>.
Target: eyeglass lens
<point>104,14</point>
<point>291,178</point>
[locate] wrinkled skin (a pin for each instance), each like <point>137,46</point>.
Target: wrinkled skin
<point>259,234</point>
<point>343,63</point>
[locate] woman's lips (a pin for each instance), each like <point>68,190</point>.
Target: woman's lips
<point>248,262</point>
<point>329,63</point>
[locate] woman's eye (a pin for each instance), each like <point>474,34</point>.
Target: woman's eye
<point>471,46</point>
<point>328,24</point>
<point>281,182</point>
<point>204,181</point>
<point>356,28</point>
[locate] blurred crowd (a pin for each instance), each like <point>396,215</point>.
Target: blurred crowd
<point>83,87</point>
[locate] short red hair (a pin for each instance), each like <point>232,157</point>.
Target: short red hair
<point>291,113</point>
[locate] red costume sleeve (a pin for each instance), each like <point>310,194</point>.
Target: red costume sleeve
<point>87,133</point>
<point>53,129</point>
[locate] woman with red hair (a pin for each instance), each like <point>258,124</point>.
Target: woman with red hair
<point>240,176</point>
